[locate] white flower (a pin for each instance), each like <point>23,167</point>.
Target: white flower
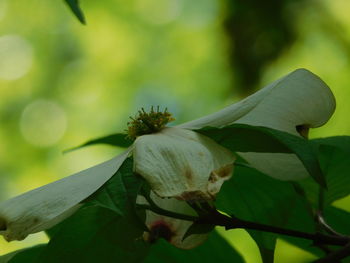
<point>183,164</point>
<point>298,101</point>
<point>178,162</point>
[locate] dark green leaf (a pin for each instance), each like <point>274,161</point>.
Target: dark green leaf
<point>52,231</point>
<point>341,142</point>
<point>95,234</point>
<point>246,138</point>
<point>337,218</point>
<point>335,165</point>
<point>74,6</point>
<point>27,255</point>
<point>117,139</point>
<point>107,226</point>
<point>120,192</point>
<point>253,196</point>
<point>302,219</point>
<point>215,249</point>
<point>267,255</point>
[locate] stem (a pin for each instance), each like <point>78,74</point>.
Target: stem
<point>231,223</point>
<point>218,219</point>
<point>322,222</point>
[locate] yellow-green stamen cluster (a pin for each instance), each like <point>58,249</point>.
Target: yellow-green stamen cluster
<point>148,122</point>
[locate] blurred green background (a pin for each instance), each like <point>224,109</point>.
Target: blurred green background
<point>62,83</point>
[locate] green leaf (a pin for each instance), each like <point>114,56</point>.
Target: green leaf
<point>28,255</point>
<point>335,165</point>
<point>267,255</point>
<point>337,218</point>
<point>302,219</point>
<point>215,249</point>
<point>341,142</point>
<point>246,138</point>
<point>117,139</point>
<point>253,196</point>
<point>74,6</point>
<point>119,193</point>
<point>95,234</point>
<point>107,226</point>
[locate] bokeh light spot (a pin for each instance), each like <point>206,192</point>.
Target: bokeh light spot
<point>159,12</point>
<point>200,15</point>
<point>43,123</point>
<point>16,57</point>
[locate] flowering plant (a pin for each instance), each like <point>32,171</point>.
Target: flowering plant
<point>170,182</point>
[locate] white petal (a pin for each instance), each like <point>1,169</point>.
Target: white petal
<point>282,166</point>
<point>43,207</point>
<point>300,98</point>
<point>173,229</point>
<point>182,163</point>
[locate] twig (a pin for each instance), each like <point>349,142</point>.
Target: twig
<point>216,218</point>
<point>336,256</point>
<point>325,226</point>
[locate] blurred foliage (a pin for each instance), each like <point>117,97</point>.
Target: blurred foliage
<point>62,83</point>
<point>74,6</point>
<point>259,32</point>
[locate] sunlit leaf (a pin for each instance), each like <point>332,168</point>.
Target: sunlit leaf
<point>246,138</point>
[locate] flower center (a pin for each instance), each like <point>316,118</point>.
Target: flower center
<point>148,122</point>
<point>160,230</point>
